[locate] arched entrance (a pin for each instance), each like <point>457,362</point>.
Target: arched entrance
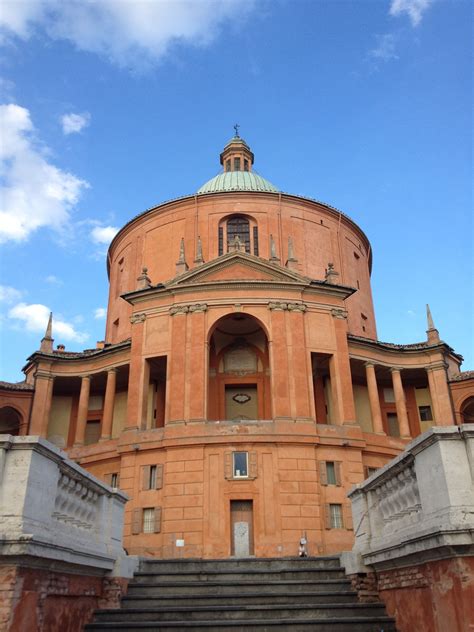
<point>467,411</point>
<point>239,377</point>
<point>10,420</point>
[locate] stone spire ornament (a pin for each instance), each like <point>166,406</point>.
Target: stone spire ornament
<point>432,332</point>
<point>199,258</point>
<point>292,263</point>
<point>273,253</point>
<point>331,274</point>
<point>181,265</point>
<point>143,281</point>
<point>47,340</point>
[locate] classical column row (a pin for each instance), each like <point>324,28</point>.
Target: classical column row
<point>43,398</point>
<point>439,391</point>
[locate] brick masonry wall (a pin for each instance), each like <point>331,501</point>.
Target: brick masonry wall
<point>39,600</point>
<point>437,596</point>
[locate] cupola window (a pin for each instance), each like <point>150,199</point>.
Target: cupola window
<point>236,164</point>
<point>227,165</point>
<point>246,165</point>
<point>239,227</point>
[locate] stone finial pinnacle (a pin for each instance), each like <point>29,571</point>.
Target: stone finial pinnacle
<point>331,275</point>
<point>143,281</point>
<point>432,332</point>
<point>181,265</point>
<point>199,258</point>
<point>47,340</point>
<point>273,253</point>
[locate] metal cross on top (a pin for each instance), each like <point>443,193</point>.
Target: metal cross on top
<point>236,127</point>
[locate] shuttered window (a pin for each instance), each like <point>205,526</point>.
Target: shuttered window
<point>330,473</point>
<point>146,520</point>
<point>152,477</point>
<point>240,465</point>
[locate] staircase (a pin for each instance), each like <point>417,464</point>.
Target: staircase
<point>265,595</point>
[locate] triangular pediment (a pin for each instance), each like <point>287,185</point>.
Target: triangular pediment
<point>238,266</point>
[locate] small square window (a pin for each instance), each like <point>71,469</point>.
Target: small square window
<point>240,464</point>
<point>149,520</point>
<point>335,513</point>
<point>331,473</point>
<point>371,470</point>
<point>425,413</point>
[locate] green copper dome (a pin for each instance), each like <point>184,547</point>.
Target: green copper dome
<point>237,181</point>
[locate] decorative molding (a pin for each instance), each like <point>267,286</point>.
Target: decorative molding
<point>290,307</point>
<point>138,318</point>
<point>184,309</point>
<point>338,312</point>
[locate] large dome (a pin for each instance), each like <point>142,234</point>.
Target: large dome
<point>237,181</point>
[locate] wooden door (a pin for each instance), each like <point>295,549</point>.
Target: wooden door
<point>241,526</point>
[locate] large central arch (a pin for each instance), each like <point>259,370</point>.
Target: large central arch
<point>239,370</point>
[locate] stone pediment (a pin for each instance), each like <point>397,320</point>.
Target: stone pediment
<point>238,266</point>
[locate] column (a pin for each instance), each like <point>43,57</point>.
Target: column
<point>400,403</point>
<point>41,404</point>
<point>82,410</point>
<point>343,369</point>
<point>136,402</point>
<point>109,401</point>
<point>374,400</point>
<point>440,396</point>
<point>336,412</point>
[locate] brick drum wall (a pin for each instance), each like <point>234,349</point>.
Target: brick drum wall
<point>39,600</point>
<point>436,596</point>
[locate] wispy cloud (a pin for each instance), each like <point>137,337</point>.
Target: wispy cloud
<point>126,33</point>
<point>103,234</point>
<point>415,9</point>
<point>74,123</point>
<point>385,48</point>
<point>54,280</point>
<point>100,313</point>
<point>9,294</point>
<point>34,318</point>
<point>34,192</point>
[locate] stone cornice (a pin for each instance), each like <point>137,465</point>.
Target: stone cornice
<point>392,348</point>
<point>92,354</point>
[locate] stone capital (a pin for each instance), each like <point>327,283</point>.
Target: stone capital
<point>137,318</point>
<point>337,312</point>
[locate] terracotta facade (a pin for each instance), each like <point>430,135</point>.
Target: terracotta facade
<point>241,389</point>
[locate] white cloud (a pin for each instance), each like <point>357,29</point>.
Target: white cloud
<point>413,8</point>
<point>127,33</point>
<point>9,294</point>
<point>34,318</point>
<point>53,280</point>
<point>74,123</point>
<point>34,192</point>
<point>385,49</point>
<point>100,313</point>
<point>103,234</point>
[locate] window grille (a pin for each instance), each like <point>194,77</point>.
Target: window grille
<point>149,520</point>
<point>239,226</point>
<point>336,516</point>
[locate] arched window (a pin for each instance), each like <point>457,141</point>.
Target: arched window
<point>238,226</point>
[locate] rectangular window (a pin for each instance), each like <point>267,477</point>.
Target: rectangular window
<point>425,413</point>
<point>246,165</point>
<point>255,241</point>
<point>330,473</point>
<point>114,480</point>
<point>149,520</point>
<point>227,165</point>
<point>236,164</point>
<point>240,468</point>
<point>370,470</point>
<point>392,423</point>
<point>152,477</point>
<point>388,396</point>
<point>221,241</point>
<point>335,514</point>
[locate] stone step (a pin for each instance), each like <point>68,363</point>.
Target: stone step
<point>350,624</point>
<point>234,599</point>
<point>160,566</point>
<point>250,586</point>
<point>299,574</point>
<point>241,613</point>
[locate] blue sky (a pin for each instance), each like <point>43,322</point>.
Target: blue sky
<point>109,108</point>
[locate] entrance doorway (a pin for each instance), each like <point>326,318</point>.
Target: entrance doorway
<point>241,402</point>
<point>241,526</point>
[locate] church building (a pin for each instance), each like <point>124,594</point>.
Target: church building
<point>241,390</point>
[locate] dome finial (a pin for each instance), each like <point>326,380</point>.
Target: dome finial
<point>236,127</point>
